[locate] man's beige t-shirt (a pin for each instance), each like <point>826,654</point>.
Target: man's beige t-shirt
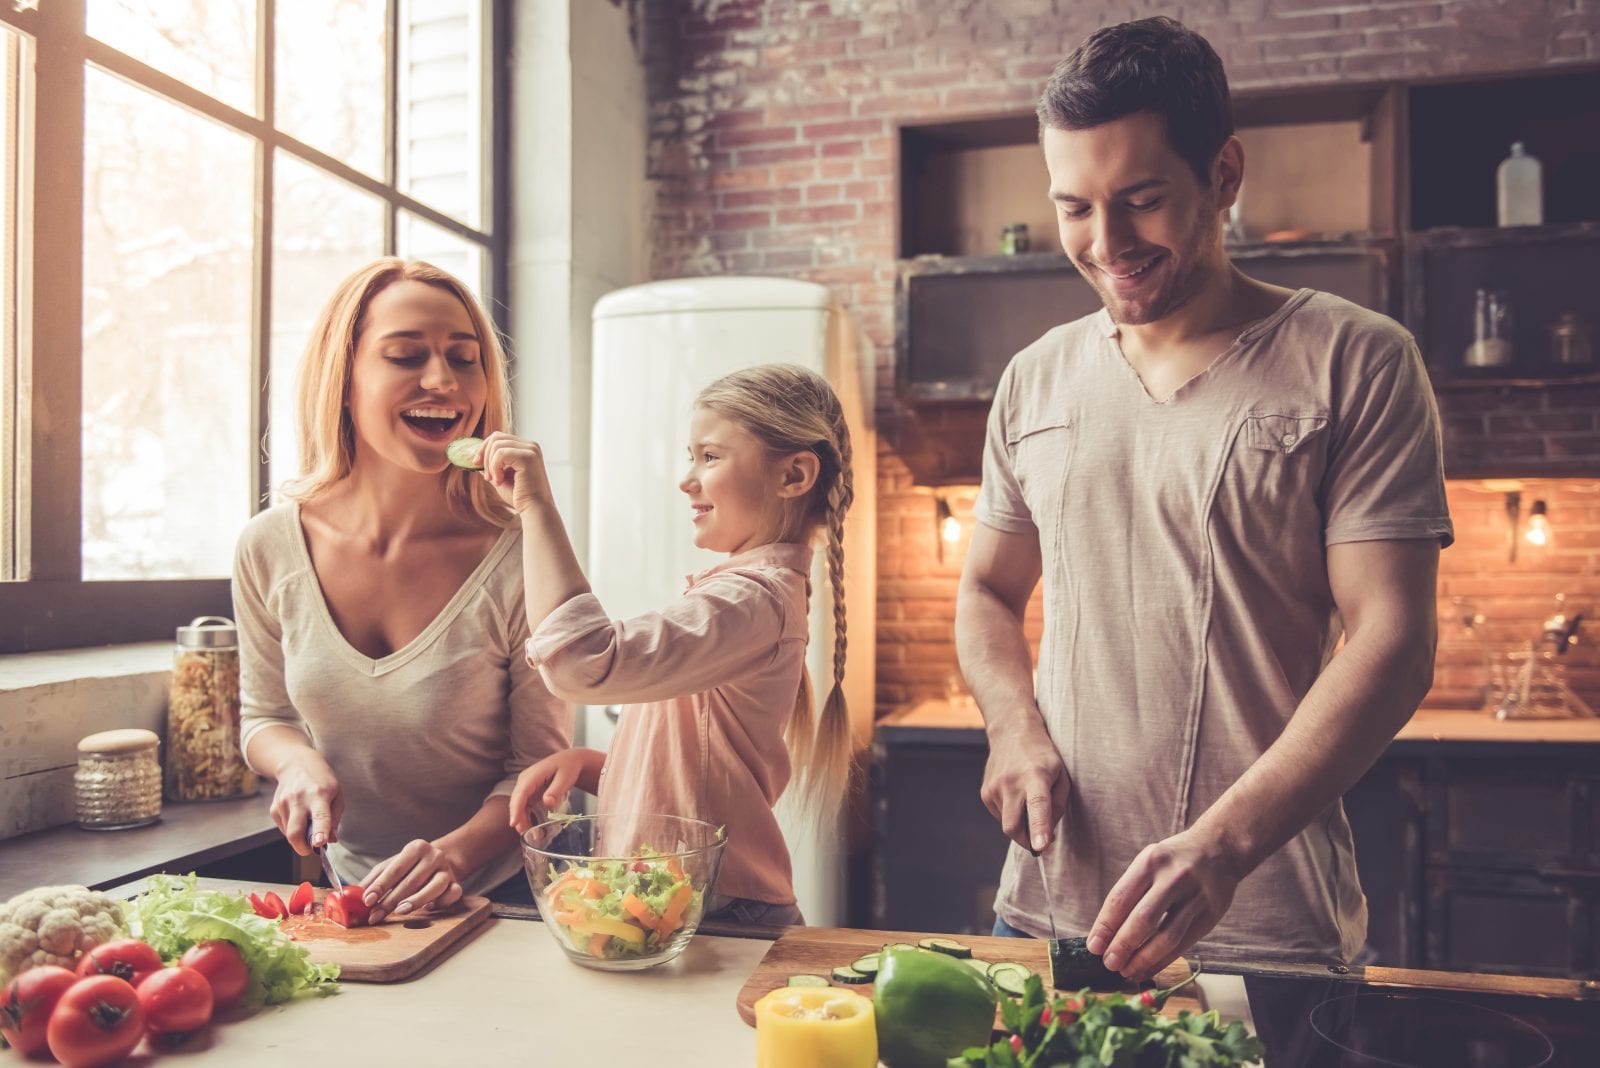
<point>1186,601</point>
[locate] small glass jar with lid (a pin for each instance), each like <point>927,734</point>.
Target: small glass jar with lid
<point>118,781</point>
<point>204,762</point>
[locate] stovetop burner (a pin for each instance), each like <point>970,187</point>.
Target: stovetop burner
<point>1420,1031</point>
<point>1316,1023</point>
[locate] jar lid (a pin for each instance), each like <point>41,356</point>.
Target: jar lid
<point>125,740</point>
<point>208,632</point>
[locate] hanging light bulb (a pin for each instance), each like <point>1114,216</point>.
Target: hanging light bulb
<point>1538,532</point>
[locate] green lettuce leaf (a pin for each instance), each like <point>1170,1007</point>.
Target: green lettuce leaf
<point>173,914</point>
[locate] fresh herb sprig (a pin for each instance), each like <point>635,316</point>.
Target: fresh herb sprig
<point>1090,1030</point>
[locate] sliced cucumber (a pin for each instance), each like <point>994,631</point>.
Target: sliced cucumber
<point>808,980</point>
<point>977,964</point>
<point>847,974</point>
<point>867,965</point>
<point>900,945</point>
<point>463,452</point>
<point>1009,976</point>
<point>946,945</point>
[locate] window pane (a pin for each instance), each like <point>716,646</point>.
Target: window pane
<point>419,239</point>
<point>208,44</point>
<point>330,78</point>
<point>167,390</point>
<point>441,106</point>
<point>322,230</point>
<point>15,62</point>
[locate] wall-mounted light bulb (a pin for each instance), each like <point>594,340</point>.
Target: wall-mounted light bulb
<point>1538,532</point>
<point>950,529</point>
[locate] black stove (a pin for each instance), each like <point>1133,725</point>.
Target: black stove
<point>1329,1023</point>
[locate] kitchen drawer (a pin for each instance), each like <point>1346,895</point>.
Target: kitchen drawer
<point>1512,816</point>
<point>1490,921</point>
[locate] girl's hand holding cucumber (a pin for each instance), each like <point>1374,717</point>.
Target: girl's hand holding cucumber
<point>515,468</point>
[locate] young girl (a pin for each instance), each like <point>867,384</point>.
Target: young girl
<point>717,702</point>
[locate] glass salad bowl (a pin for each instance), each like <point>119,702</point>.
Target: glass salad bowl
<point>622,892</point>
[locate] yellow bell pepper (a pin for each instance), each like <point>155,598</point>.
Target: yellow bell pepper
<point>616,928</point>
<point>815,1027</point>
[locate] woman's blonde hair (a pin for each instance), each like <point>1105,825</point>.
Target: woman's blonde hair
<point>790,409</point>
<point>322,388</point>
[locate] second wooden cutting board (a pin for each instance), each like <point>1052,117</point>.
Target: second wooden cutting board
<point>818,950</point>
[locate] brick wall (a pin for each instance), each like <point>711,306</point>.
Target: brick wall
<point>771,142</point>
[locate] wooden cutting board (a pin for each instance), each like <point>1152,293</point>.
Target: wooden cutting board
<point>818,950</point>
<point>397,949</point>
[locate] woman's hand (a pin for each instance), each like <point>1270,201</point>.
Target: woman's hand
<point>420,876</point>
<point>515,468</point>
<point>308,803</point>
<point>541,787</point>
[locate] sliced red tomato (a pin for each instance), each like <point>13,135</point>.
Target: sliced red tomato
<point>26,1005</point>
<point>346,908</point>
<point>126,958</point>
<point>224,968</point>
<point>303,900</point>
<point>259,905</point>
<point>97,1021</point>
<point>276,908</point>
<point>176,1001</point>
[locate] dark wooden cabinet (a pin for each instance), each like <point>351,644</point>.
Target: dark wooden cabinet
<point>1481,856</point>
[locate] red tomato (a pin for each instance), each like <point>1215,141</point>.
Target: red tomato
<point>97,1021</point>
<point>346,908</point>
<point>303,900</point>
<point>277,909</point>
<point>175,1000</point>
<point>224,968</point>
<point>126,958</point>
<point>26,1004</point>
<point>258,905</point>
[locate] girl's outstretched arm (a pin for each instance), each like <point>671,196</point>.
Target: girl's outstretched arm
<point>551,575</point>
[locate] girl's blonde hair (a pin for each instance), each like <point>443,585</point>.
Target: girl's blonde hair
<point>790,409</point>
<point>326,434</point>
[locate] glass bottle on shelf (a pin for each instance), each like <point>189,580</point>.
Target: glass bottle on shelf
<point>1491,330</point>
<point>1519,188</point>
<point>1571,342</point>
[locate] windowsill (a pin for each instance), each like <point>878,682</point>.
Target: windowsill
<point>22,671</point>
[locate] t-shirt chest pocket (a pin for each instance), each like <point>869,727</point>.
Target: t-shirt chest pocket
<point>1041,455</point>
<point>1280,458</point>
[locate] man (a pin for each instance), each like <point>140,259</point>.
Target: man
<point>1215,478</point>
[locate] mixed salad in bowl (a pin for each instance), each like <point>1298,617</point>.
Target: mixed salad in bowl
<point>622,892</point>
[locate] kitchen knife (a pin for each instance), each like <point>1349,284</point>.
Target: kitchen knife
<point>327,869</point>
<point>1049,902</point>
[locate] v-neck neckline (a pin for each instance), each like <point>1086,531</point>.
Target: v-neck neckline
<point>1112,334</point>
<point>411,649</point>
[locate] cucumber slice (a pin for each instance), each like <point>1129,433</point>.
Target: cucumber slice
<point>900,945</point>
<point>977,964</point>
<point>946,945</point>
<point>463,452</point>
<point>846,974</point>
<point>808,980</point>
<point>1009,976</point>
<point>867,965</point>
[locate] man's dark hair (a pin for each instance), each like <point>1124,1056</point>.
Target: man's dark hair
<point>1156,65</point>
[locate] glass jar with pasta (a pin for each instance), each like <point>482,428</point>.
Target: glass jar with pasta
<point>204,762</point>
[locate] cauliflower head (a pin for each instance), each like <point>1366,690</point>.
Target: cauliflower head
<point>54,925</point>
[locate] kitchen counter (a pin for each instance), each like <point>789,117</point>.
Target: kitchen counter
<point>509,996</point>
<point>187,836</point>
<point>923,722</point>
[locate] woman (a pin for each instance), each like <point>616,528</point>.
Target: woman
<point>380,608</point>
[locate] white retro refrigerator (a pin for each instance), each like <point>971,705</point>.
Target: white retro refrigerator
<point>655,347</point>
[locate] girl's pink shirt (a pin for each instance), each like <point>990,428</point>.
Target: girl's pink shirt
<point>708,685</point>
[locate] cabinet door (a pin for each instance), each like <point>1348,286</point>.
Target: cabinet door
<point>1493,814</point>
<point>1487,921</point>
<point>936,850</point>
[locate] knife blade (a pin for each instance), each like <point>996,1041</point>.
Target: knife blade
<point>327,869</point>
<point>1049,901</point>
